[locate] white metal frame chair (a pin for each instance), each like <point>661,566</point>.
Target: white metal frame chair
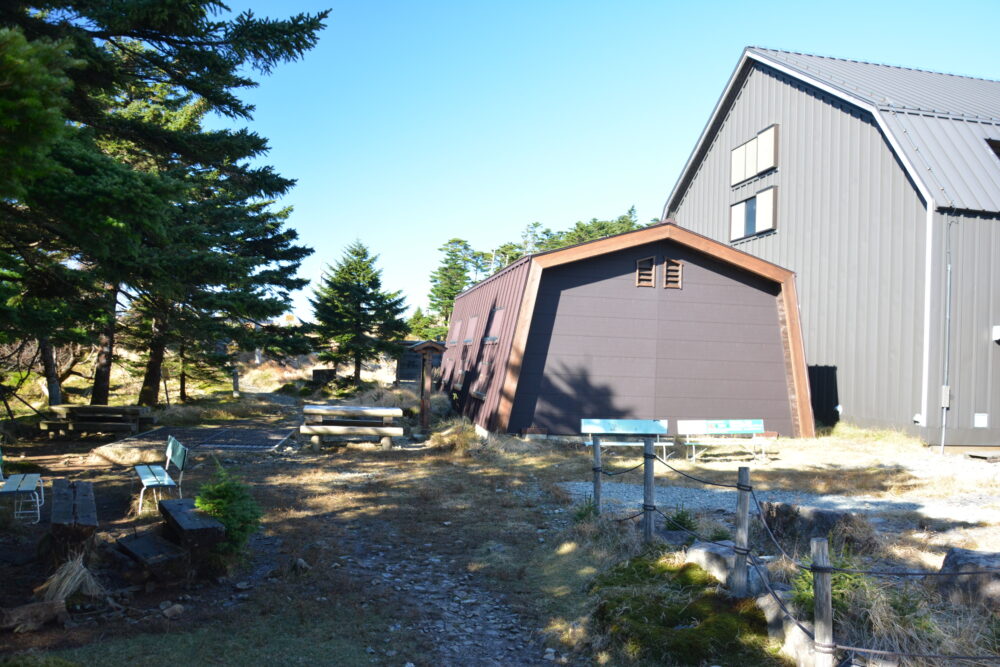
<point>27,491</point>
<point>157,477</point>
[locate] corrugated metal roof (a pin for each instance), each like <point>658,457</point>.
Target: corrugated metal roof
<point>938,123</point>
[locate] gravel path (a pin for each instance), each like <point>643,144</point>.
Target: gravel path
<point>970,507</point>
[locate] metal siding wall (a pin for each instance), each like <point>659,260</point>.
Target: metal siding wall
<point>501,290</point>
<point>850,224</point>
<point>601,347</point>
<point>975,358</point>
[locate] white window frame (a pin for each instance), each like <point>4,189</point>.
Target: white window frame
<point>765,204</point>
<point>754,157</point>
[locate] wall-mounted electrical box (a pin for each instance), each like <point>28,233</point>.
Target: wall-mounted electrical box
<point>980,420</point>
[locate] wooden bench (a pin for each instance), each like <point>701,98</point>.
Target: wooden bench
<point>74,514</point>
<point>748,434</point>
<point>349,420</point>
<point>158,477</point>
<point>192,529</point>
<point>599,429</point>
<point>97,419</point>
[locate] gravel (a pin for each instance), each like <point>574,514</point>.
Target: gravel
<point>970,507</point>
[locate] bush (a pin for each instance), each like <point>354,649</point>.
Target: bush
<point>228,499</point>
<point>585,511</point>
<point>682,519</point>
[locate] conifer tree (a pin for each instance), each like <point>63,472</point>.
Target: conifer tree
<point>451,277</point>
<point>356,321</point>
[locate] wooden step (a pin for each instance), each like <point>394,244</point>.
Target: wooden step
<point>192,528</point>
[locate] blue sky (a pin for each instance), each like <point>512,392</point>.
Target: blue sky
<point>412,123</point>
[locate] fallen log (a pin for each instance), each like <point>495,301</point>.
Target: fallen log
<point>29,617</point>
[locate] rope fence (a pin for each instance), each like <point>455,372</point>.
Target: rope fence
<point>821,568</point>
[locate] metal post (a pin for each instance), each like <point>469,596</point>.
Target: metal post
<point>648,491</point>
<point>823,645</point>
<point>598,471</point>
<point>739,583</point>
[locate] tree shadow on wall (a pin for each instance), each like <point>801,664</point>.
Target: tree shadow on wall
<point>556,401</point>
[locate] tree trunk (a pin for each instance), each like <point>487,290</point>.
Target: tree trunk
<point>183,378</point>
<point>149,394</point>
<point>50,371</point>
<point>101,391</point>
<point>357,370</point>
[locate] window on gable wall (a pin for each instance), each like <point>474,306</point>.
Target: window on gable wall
<point>754,215</point>
<point>492,336</point>
<point>754,157</point>
<point>645,272</point>
<point>454,331</point>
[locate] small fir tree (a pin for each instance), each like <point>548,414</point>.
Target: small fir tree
<point>355,320</point>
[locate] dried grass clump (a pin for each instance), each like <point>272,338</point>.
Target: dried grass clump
<point>386,397</point>
<point>455,435</point>
<point>271,374</point>
<point>128,454</point>
<point>180,415</point>
<point>855,533</point>
<point>241,409</point>
<point>608,540</point>
<point>71,578</point>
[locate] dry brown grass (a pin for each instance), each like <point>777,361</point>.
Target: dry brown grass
<point>71,578</point>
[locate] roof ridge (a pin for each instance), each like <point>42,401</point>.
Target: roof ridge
<point>874,64</point>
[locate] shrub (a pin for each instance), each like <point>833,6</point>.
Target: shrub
<point>228,499</point>
<point>682,519</point>
<point>585,511</point>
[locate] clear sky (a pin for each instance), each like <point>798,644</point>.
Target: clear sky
<point>412,123</point>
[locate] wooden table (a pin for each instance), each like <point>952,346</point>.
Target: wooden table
<point>344,420</point>
<point>74,515</point>
<point>98,419</point>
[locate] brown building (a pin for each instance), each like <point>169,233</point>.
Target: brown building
<point>659,323</point>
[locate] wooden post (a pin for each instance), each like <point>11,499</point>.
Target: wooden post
<point>425,391</point>
<point>596,444</point>
<point>648,491</point>
<point>386,440</point>
<point>739,583</point>
<point>236,382</point>
<point>823,645</point>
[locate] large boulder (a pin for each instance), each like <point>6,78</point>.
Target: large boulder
<point>796,644</point>
<point>966,588</point>
<point>718,559</point>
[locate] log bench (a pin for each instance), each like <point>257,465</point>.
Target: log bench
<point>74,515</point>
<point>350,420</point>
<point>190,528</point>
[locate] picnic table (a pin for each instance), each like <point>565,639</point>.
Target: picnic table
<point>97,419</point>
<point>350,420</point>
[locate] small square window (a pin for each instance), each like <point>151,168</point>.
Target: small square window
<point>645,272</point>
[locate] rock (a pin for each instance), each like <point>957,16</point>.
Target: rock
<point>718,559</point>
<point>787,520</point>
<point>962,589</point>
<point>243,586</point>
<point>301,565</point>
<point>165,604</point>
<point>796,644</point>
<point>173,611</point>
<point>550,654</point>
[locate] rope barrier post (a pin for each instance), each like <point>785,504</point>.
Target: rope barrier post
<point>823,645</point>
<point>648,491</point>
<point>739,583</point>
<point>598,470</point>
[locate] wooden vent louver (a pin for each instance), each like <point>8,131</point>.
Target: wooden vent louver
<point>673,274</point>
<point>645,275</point>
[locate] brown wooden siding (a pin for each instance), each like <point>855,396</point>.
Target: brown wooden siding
<point>494,305</point>
<point>601,347</point>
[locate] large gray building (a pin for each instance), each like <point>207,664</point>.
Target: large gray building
<point>880,187</point>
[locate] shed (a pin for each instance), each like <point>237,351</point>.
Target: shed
<point>658,323</point>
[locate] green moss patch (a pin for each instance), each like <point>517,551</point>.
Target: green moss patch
<point>651,609</point>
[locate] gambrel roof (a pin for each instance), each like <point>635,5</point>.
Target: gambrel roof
<point>937,124</point>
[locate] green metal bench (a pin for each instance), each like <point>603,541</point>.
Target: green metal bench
<point>158,477</point>
<point>27,492</point>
